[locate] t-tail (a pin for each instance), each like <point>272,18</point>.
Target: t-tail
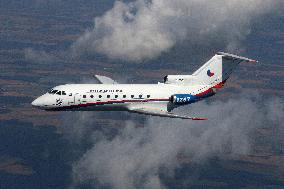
<point>218,68</point>
<point>215,71</point>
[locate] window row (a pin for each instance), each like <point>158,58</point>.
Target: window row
<point>115,96</point>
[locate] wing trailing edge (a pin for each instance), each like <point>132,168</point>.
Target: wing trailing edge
<point>162,113</point>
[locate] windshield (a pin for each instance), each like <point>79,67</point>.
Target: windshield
<point>52,91</point>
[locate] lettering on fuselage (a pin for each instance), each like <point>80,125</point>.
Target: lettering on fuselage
<point>106,90</point>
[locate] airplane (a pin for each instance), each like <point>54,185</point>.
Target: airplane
<point>151,99</point>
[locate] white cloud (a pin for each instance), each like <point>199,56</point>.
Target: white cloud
<point>134,156</point>
<point>38,56</point>
<point>143,29</point>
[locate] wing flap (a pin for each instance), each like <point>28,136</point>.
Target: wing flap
<point>162,113</point>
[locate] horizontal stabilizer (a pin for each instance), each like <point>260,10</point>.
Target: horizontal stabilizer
<point>237,57</point>
<point>162,113</point>
<point>104,79</point>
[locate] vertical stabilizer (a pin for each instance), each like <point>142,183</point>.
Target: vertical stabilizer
<point>218,68</point>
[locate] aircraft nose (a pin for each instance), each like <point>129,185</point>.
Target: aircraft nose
<point>36,103</point>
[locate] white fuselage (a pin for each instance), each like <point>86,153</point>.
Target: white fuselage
<point>153,99</point>
<point>91,97</point>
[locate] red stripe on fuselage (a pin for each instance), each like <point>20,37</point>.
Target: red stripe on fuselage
<point>210,90</point>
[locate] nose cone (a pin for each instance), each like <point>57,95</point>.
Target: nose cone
<point>43,102</point>
<point>36,103</point>
<point>40,102</point>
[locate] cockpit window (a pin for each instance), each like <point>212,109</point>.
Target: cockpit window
<point>57,92</point>
<point>52,91</point>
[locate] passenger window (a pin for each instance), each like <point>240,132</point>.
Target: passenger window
<point>100,96</point>
<point>84,96</point>
<point>70,94</point>
<point>63,93</point>
<point>92,96</point>
<point>124,96</point>
<point>108,96</point>
<point>59,93</point>
<point>148,96</point>
<point>115,96</point>
<point>132,96</point>
<point>140,96</point>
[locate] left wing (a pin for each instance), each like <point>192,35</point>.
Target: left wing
<point>162,113</point>
<point>104,79</point>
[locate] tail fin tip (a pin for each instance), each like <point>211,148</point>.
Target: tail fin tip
<point>237,57</point>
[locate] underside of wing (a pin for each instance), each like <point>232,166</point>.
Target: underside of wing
<point>104,79</point>
<point>162,113</point>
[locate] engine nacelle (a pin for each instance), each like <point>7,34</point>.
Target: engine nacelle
<point>173,79</point>
<point>183,99</point>
<point>180,79</point>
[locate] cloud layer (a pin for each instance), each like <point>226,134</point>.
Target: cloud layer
<point>143,29</point>
<point>40,57</point>
<point>134,156</point>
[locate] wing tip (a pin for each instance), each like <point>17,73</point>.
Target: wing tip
<point>199,118</point>
<point>253,61</point>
